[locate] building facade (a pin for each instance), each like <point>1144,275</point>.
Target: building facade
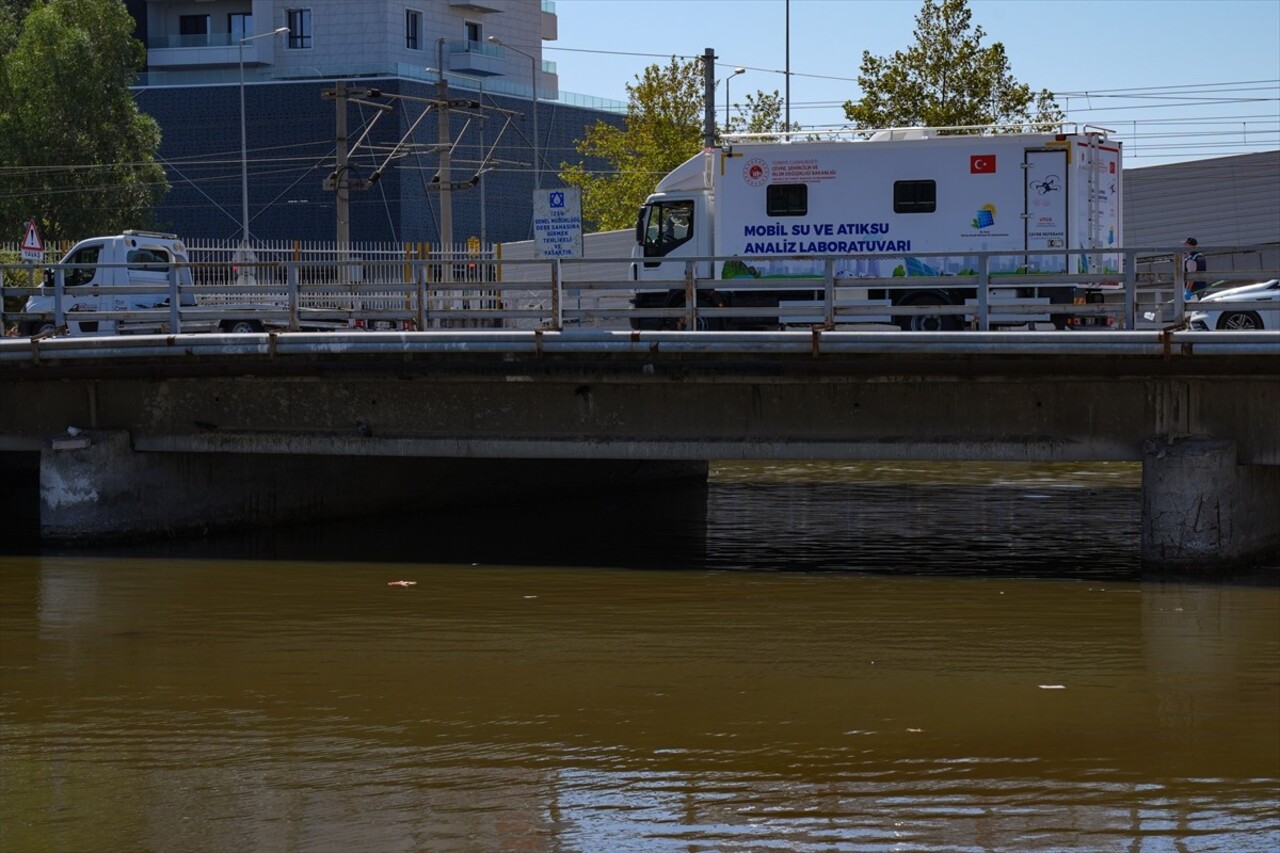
<point>247,92</point>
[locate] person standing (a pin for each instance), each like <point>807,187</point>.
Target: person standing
<point>1192,263</point>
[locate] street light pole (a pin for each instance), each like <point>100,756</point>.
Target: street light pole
<point>244,145</point>
<point>533,68</point>
<point>735,73</point>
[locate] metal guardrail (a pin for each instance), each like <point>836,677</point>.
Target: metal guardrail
<point>474,292</point>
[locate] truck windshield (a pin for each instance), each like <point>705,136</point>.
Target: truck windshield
<point>670,224</point>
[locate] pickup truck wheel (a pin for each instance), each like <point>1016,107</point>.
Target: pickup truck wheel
<point>1240,320</point>
<point>241,327</point>
<point>37,327</point>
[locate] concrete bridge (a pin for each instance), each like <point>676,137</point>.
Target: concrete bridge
<point>157,435</point>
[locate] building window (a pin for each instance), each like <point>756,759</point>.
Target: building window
<point>194,30</point>
<point>915,196</point>
<point>299,29</point>
<point>412,29</point>
<point>240,25</point>
<point>473,32</point>
<point>787,199</point>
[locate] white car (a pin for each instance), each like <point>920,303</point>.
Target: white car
<point>1219,311</point>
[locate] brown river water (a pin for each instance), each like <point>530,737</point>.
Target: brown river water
<point>818,657</point>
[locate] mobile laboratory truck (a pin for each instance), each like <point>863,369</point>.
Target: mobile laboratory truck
<point>877,205</point>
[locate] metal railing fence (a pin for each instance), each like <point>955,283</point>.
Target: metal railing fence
<point>299,287</point>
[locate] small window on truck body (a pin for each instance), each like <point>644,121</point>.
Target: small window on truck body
<point>787,199</point>
<point>915,196</point>
<point>148,260</point>
<point>670,225</point>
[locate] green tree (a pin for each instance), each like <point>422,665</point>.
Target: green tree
<point>763,115</point>
<point>946,79</point>
<point>662,129</point>
<point>75,152</point>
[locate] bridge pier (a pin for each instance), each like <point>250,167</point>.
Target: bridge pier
<point>1201,509</point>
<point>94,486</point>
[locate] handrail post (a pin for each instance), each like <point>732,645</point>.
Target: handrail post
<point>1130,289</point>
<point>175,320</point>
<point>59,282</point>
<point>295,320</point>
<point>984,293</point>
<point>690,297</point>
<point>420,280</point>
<point>1179,288</point>
<point>829,291</point>
<point>557,315</point>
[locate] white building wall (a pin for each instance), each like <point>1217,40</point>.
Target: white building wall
<point>352,33</point>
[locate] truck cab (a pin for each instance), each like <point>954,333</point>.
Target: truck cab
<point>123,272</point>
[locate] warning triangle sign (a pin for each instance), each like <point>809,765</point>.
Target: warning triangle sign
<point>31,242</point>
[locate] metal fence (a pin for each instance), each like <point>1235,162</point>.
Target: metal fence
<point>298,286</point>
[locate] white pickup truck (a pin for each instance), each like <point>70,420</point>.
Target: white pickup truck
<point>121,284</point>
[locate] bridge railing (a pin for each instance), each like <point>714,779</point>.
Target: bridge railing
<point>982,291</point>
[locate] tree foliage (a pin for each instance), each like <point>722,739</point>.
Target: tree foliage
<point>75,152</point>
<point>763,114</point>
<point>662,129</point>
<point>946,79</point>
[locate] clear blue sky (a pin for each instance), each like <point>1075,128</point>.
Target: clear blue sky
<point>1178,79</point>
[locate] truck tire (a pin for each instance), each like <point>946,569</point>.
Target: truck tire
<point>928,322</point>
<point>241,327</point>
<point>705,300</point>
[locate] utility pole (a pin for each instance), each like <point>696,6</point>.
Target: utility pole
<point>341,186</point>
<point>340,180</point>
<point>708,98</point>
<point>445,177</point>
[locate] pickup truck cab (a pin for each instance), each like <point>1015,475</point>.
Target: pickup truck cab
<point>121,273</point>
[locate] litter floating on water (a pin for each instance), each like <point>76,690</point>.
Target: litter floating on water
<point>403,583</point>
<point>1053,687</point>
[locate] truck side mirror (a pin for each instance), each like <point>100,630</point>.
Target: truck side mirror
<point>640,226</point>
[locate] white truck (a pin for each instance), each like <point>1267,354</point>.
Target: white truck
<point>131,276</point>
<point>878,206</point>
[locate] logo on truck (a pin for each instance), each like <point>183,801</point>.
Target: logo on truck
<point>985,217</point>
<point>755,172</point>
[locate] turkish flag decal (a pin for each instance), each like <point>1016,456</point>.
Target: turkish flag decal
<point>982,164</point>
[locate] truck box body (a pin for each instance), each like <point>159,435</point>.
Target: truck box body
<point>878,207</point>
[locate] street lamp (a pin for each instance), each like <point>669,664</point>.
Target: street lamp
<point>533,67</point>
<point>735,73</point>
<point>244,146</point>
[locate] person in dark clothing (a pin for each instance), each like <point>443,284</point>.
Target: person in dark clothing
<point>1192,263</point>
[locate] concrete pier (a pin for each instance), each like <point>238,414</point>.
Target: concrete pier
<point>1201,509</point>
<point>96,487</point>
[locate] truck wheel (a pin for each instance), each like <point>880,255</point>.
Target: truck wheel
<point>928,322</point>
<point>37,327</point>
<point>241,327</point>
<point>705,300</point>
<point>1240,320</point>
